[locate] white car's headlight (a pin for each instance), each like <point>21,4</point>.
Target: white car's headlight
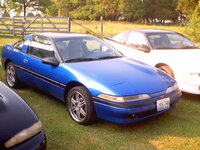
<point>172,88</point>
<point>195,74</point>
<point>124,98</point>
<point>24,135</point>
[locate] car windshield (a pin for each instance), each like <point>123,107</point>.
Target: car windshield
<point>170,41</point>
<point>84,49</point>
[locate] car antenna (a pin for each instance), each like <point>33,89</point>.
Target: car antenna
<point>22,36</point>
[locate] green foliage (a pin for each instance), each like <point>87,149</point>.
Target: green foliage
<point>45,6</point>
<point>133,10</point>
<point>93,9</point>
<point>22,5</point>
<point>5,9</point>
<point>187,7</point>
<point>161,10</point>
<point>194,24</point>
<point>5,14</point>
<point>48,7</point>
<point>85,12</point>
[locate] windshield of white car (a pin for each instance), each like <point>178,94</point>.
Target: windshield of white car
<point>170,41</point>
<point>84,49</point>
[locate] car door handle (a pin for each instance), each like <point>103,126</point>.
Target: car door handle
<point>25,60</point>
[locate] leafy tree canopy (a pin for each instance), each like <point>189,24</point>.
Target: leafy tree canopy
<point>187,7</point>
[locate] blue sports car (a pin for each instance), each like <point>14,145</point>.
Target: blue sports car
<point>92,78</point>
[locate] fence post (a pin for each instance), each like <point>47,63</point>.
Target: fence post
<point>69,24</point>
<point>41,23</point>
<point>101,27</point>
<point>13,24</point>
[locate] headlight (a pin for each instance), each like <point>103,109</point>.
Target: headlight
<point>125,98</point>
<point>24,135</point>
<point>195,74</point>
<point>172,88</point>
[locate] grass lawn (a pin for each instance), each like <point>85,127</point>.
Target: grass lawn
<point>177,129</point>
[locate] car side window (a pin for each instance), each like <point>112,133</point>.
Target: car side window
<point>41,47</point>
<point>18,45</point>
<point>136,38</point>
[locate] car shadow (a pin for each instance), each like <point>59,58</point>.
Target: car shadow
<point>192,97</point>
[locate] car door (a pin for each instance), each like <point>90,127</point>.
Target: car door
<point>43,76</point>
<point>17,55</point>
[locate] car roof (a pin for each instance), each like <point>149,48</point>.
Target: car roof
<point>54,35</point>
<point>151,31</point>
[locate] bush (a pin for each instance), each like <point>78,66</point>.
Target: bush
<point>193,27</point>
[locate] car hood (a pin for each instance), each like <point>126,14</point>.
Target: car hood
<point>121,76</point>
<point>15,114</point>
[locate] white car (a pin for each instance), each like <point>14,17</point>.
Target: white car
<point>167,50</point>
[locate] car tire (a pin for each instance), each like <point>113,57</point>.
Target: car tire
<point>11,76</point>
<point>167,69</point>
<point>80,106</point>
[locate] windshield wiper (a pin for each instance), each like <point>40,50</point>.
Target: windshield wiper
<point>80,59</point>
<point>165,48</point>
<point>109,57</point>
<point>190,47</point>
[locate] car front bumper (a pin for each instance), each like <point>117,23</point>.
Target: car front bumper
<point>189,84</point>
<point>134,111</point>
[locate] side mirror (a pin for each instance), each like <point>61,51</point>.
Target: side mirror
<point>143,48</point>
<point>24,48</point>
<point>50,61</point>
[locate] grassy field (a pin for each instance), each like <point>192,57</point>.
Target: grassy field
<point>112,28</point>
<point>178,129</point>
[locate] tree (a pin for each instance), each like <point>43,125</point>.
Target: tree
<point>133,9</point>
<point>193,27</point>
<point>23,5</point>
<point>5,10</point>
<point>109,9</point>
<point>65,7</point>
<point>48,7</point>
<point>161,10</point>
<point>93,9</point>
<point>187,7</point>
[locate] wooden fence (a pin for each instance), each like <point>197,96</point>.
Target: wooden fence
<point>19,25</point>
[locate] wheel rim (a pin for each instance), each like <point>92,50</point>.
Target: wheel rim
<point>11,75</point>
<point>78,107</point>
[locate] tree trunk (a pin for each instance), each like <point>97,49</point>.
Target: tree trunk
<point>24,6</point>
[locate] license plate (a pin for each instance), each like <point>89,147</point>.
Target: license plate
<point>163,104</point>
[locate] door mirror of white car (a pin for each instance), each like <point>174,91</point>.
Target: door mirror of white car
<point>50,61</point>
<point>143,48</point>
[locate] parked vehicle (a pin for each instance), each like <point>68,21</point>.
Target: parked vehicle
<point>167,50</point>
<point>20,128</point>
<point>93,79</point>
